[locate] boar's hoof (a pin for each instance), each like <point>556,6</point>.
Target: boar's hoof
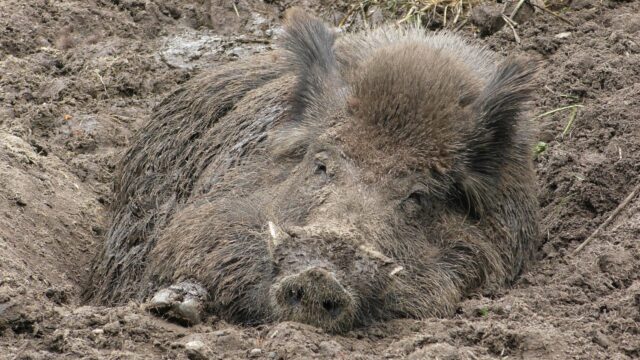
<point>182,303</point>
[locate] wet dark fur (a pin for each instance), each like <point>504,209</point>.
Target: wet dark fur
<point>412,145</point>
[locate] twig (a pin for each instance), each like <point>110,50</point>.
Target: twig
<point>236,9</point>
<point>552,13</point>
<point>347,16</point>
<point>460,25</point>
<point>458,11</point>
<point>252,40</point>
<point>511,23</point>
<point>102,81</point>
<point>515,9</point>
<point>558,109</point>
<point>408,16</point>
<point>615,212</point>
<point>444,16</point>
<point>572,117</point>
<point>364,16</point>
<point>509,20</point>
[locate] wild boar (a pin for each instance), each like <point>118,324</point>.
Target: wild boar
<point>337,181</point>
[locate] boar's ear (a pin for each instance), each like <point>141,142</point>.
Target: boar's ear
<point>309,44</point>
<point>498,133</point>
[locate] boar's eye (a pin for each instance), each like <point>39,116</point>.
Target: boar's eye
<point>320,168</point>
<point>320,164</point>
<point>416,197</point>
<point>413,203</point>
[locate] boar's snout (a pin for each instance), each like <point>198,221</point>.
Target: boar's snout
<point>315,297</point>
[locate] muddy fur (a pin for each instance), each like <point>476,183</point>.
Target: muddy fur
<point>373,152</point>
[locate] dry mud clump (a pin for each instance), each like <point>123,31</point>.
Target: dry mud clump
<point>77,77</point>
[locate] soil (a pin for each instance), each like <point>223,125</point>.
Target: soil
<point>78,77</point>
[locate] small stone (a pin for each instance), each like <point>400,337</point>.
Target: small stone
<point>112,328</point>
<point>59,296</point>
<point>176,345</point>
<point>329,348</point>
<point>488,18</point>
<point>196,350</point>
<point>601,339</point>
<point>194,345</point>
<point>255,353</point>
<point>563,35</point>
<point>97,331</point>
<point>272,355</point>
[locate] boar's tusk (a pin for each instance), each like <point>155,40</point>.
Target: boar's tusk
<point>278,236</point>
<point>396,270</point>
<point>376,254</point>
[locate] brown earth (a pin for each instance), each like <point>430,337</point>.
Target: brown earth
<point>78,76</point>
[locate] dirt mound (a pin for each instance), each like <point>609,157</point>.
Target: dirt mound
<point>77,77</point>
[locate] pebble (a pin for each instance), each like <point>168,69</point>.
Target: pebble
<point>219,333</point>
<point>488,18</point>
<point>195,350</point>
<point>601,339</point>
<point>255,353</point>
<point>112,328</point>
<point>563,35</point>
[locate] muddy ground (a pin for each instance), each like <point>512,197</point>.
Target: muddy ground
<point>78,77</point>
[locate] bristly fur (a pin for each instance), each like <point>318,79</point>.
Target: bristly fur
<point>412,146</point>
<point>409,102</point>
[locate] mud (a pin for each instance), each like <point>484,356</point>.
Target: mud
<point>77,77</point>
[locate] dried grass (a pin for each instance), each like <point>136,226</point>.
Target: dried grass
<point>428,13</point>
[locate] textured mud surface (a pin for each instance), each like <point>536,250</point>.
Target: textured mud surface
<point>77,77</point>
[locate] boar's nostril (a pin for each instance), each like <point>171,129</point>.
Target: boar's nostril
<point>332,307</point>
